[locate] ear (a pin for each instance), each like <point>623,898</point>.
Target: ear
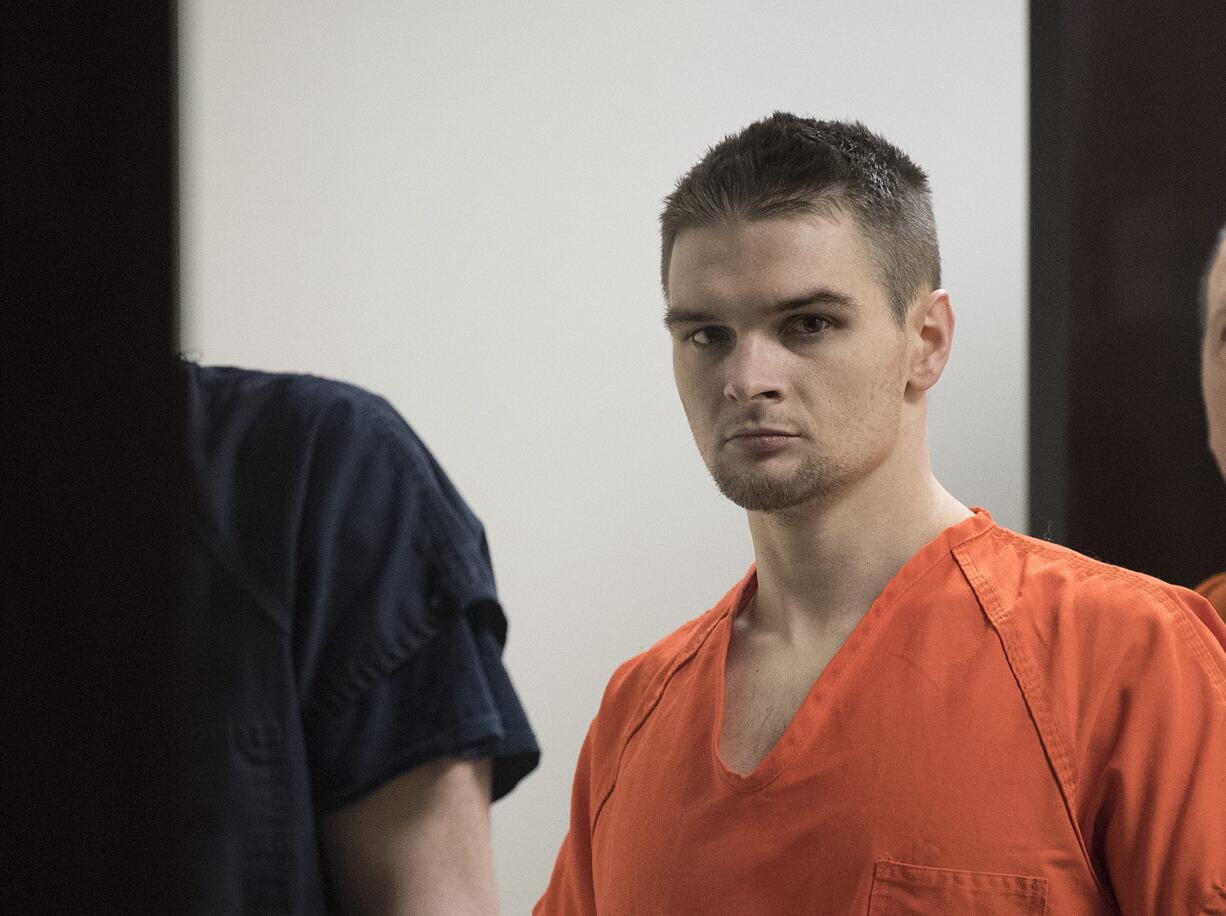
<point>930,325</point>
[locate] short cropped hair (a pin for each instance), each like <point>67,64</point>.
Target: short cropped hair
<point>1202,297</point>
<point>785,166</point>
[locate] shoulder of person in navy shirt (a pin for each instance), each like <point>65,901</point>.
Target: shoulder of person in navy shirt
<point>351,718</point>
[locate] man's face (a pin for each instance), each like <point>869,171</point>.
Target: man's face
<point>790,367</point>
<point>1213,359</point>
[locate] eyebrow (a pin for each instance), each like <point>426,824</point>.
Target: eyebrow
<point>820,296</point>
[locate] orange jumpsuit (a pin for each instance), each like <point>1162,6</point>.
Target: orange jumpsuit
<point>1012,728</point>
<point>1215,590</point>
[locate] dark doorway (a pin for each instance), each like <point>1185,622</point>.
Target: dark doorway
<point>1128,190</point>
<point>91,476</point>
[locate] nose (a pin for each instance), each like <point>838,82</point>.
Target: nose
<point>752,372</point>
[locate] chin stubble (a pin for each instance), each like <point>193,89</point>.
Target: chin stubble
<point>758,491</point>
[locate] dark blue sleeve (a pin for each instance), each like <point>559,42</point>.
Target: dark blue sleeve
<point>398,633</point>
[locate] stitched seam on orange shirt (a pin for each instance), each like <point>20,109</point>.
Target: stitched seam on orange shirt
<point>1019,663</point>
<point>1186,624</point>
<point>1187,628</point>
<point>683,658</point>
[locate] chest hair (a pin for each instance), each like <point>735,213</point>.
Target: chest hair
<point>764,686</point>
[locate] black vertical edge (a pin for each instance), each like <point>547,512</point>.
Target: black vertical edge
<point>174,218</point>
<point>1127,192</point>
<point>92,478</point>
<point>1049,272</point>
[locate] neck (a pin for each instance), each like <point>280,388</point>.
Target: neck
<point>820,565</point>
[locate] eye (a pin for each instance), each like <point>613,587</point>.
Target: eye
<point>705,337</point>
<point>808,325</point>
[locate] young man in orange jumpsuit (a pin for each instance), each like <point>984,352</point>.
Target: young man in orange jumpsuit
<point>902,707</point>
<point>1213,382</point>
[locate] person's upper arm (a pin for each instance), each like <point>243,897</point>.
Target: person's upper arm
<point>418,844</point>
<point>398,633</point>
<point>397,651</point>
<point>1154,803</point>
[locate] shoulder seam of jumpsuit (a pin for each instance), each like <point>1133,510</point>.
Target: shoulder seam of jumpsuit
<point>1019,663</point>
<point>651,698</point>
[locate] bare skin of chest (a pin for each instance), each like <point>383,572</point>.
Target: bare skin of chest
<point>765,683</point>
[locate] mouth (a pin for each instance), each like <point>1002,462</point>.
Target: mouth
<point>760,440</point>
<point>761,433</point>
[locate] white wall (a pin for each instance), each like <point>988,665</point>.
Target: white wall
<point>454,203</point>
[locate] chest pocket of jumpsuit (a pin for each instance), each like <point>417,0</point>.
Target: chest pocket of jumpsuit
<point>917,890</point>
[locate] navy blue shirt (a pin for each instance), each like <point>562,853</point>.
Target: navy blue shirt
<point>342,627</point>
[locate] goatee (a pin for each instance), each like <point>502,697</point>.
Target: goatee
<point>759,491</point>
